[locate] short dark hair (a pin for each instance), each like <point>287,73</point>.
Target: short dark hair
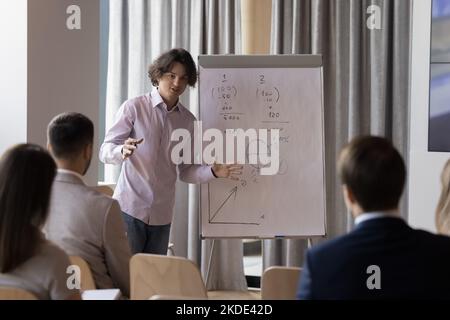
<point>374,172</point>
<point>164,63</point>
<point>68,133</point>
<point>26,176</point>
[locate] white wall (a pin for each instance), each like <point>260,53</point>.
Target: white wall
<point>47,69</point>
<point>424,167</point>
<point>13,77</point>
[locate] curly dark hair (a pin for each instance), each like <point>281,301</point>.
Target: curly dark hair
<point>164,63</point>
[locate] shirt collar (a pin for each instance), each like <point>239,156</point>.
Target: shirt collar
<point>76,174</point>
<point>376,215</point>
<point>157,101</point>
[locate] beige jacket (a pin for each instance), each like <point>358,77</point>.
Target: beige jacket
<point>89,224</point>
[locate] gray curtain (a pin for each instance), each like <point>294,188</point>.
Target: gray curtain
<point>366,83</point>
<point>139,31</point>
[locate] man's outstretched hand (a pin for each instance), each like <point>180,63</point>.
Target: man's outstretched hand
<point>230,171</point>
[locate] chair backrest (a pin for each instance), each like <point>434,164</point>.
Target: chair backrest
<point>152,275</point>
<point>10,293</point>
<point>105,189</point>
<point>87,280</point>
<point>280,283</point>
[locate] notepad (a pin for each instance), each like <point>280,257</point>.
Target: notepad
<point>101,294</point>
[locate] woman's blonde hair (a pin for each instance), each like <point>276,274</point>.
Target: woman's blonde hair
<point>443,207</point>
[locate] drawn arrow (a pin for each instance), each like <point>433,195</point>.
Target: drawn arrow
<point>232,192</point>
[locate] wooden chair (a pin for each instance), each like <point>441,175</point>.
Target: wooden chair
<point>10,293</point>
<point>87,280</point>
<point>280,283</point>
<point>166,276</point>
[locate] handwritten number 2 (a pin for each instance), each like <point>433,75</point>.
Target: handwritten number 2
<point>261,78</point>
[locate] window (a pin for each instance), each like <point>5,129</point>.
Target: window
<point>439,112</point>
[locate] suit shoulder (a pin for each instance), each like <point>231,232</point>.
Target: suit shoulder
<point>327,245</point>
<point>432,237</point>
<point>96,195</point>
<point>92,199</point>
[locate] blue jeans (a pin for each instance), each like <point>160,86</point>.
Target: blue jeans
<point>144,238</point>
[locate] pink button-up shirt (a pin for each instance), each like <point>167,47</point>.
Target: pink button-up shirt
<point>146,185</point>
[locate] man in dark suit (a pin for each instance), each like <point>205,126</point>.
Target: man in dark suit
<point>382,258</point>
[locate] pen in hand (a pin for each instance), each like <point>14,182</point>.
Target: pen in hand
<point>130,146</point>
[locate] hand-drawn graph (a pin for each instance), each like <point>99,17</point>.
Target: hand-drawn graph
<point>218,215</point>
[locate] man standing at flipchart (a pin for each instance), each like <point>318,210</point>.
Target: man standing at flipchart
<point>140,141</point>
<point>382,258</point>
